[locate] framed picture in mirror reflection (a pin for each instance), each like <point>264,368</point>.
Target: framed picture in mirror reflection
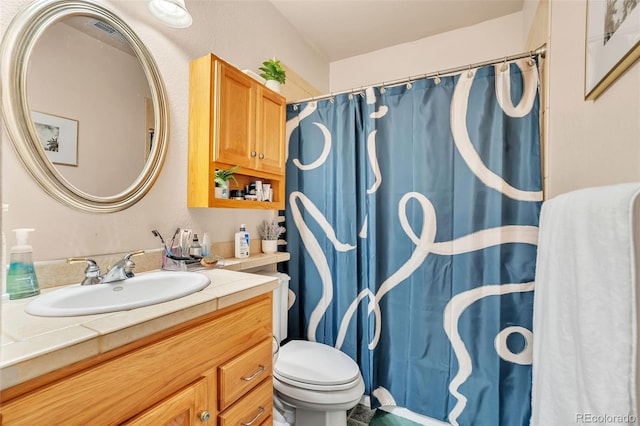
<point>59,137</point>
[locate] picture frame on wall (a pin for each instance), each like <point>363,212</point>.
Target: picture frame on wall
<point>59,137</point>
<point>612,42</point>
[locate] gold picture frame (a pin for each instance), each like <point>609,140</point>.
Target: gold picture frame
<point>612,42</point>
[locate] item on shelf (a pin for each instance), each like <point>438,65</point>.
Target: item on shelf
<point>212,261</point>
<point>267,192</point>
<point>269,232</point>
<point>206,245</point>
<point>237,194</point>
<point>242,242</point>
<point>259,193</point>
<point>195,249</point>
<point>222,178</point>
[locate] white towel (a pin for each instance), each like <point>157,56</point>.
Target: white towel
<point>584,314</point>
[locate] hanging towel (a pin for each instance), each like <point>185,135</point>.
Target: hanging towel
<point>584,314</point>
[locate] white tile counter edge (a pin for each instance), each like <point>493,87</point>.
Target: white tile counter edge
<point>32,346</point>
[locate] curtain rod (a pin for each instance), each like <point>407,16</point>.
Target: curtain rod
<point>539,51</point>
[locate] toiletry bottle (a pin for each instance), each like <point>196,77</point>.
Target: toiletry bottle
<point>21,276</point>
<point>195,249</point>
<point>206,245</point>
<point>242,242</point>
<point>259,192</point>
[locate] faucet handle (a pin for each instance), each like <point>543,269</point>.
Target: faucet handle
<point>128,263</point>
<point>135,253</point>
<point>91,272</point>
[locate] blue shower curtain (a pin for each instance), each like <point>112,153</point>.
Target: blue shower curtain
<point>412,225</point>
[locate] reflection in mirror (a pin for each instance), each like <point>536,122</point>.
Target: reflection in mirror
<point>82,71</point>
<point>84,104</point>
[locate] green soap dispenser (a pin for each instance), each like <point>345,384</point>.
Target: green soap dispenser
<point>21,276</point>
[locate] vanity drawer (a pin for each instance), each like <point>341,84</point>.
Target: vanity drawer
<point>242,373</point>
<point>253,409</point>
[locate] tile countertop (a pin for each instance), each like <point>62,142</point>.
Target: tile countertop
<point>31,346</point>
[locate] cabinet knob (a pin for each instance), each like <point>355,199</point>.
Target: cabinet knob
<point>205,416</point>
<point>261,156</point>
<point>253,153</point>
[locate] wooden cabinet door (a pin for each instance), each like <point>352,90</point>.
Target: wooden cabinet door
<point>270,143</point>
<point>234,117</point>
<point>187,407</point>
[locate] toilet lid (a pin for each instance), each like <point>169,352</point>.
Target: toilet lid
<point>315,363</point>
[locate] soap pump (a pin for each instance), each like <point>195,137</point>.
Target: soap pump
<point>21,276</point>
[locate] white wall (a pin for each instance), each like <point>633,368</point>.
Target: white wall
<point>529,9</point>
<point>590,143</point>
<point>244,33</point>
<point>488,40</point>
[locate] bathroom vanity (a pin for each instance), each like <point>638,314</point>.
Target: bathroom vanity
<point>203,359</point>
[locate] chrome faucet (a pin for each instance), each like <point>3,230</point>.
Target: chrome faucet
<point>122,270</point>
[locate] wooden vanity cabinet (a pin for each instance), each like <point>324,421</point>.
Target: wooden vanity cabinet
<point>216,369</point>
<point>233,120</point>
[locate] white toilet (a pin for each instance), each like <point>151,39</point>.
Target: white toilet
<point>316,381</point>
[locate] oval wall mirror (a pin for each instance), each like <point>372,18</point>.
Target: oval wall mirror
<point>84,104</point>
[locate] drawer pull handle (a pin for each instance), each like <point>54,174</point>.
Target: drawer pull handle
<point>262,411</point>
<point>253,153</point>
<point>205,416</point>
<point>254,375</point>
<point>261,156</point>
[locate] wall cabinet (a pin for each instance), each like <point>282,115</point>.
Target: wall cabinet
<point>233,120</point>
<point>216,369</point>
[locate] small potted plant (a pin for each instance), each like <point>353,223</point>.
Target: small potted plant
<point>273,72</point>
<point>269,232</point>
<point>222,181</point>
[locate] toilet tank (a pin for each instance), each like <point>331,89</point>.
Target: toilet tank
<point>280,304</point>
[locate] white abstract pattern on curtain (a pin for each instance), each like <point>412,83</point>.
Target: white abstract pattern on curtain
<point>412,226</point>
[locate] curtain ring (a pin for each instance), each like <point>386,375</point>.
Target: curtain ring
<point>331,98</point>
<point>409,85</point>
<point>437,80</point>
<point>531,62</point>
<point>504,66</point>
<point>382,88</point>
<point>469,72</point>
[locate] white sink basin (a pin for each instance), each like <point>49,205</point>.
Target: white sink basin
<point>141,290</point>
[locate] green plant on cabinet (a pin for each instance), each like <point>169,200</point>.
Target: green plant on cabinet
<point>272,70</point>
